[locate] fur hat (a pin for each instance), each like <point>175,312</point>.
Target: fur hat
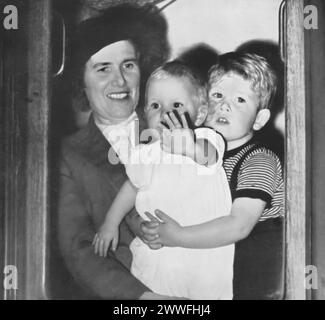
<point>144,26</point>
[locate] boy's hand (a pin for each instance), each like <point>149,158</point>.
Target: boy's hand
<point>106,237</point>
<point>149,231</point>
<point>168,231</point>
<point>179,139</point>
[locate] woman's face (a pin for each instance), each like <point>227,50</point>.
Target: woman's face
<point>112,79</point>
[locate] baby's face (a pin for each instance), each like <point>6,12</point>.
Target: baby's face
<point>166,95</point>
<point>233,107</point>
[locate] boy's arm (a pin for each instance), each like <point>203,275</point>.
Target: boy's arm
<point>254,191</point>
<point>222,231</point>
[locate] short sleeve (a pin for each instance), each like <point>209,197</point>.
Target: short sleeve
<point>140,164</point>
<point>214,138</point>
<point>257,177</point>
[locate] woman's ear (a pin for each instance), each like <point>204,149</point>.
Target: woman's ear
<point>262,118</point>
<point>201,115</point>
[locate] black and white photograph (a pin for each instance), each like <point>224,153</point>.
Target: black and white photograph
<point>163,150</point>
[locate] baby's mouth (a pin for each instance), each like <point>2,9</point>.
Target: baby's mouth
<point>118,95</point>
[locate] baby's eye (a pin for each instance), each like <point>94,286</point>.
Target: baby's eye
<point>177,105</point>
<point>154,106</point>
<point>241,100</point>
<point>217,95</point>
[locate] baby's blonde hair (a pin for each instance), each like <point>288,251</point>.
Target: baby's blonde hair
<point>179,69</point>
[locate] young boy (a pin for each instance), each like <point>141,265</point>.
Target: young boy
<point>241,87</point>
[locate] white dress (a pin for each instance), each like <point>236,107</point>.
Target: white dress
<point>190,194</point>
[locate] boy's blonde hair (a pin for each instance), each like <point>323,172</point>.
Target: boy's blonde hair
<point>179,69</point>
<point>251,67</point>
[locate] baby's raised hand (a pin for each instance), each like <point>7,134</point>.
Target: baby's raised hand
<point>106,236</point>
<point>179,139</point>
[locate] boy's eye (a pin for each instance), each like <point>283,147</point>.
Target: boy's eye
<point>177,105</point>
<point>241,100</point>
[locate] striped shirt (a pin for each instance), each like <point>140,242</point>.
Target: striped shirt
<point>254,171</point>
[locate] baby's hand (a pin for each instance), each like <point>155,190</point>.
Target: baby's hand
<point>106,236</point>
<point>179,139</point>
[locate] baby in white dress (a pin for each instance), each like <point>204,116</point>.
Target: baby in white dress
<point>179,172</point>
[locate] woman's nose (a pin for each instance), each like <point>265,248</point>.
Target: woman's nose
<point>118,78</point>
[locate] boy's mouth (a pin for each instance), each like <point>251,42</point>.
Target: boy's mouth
<point>222,120</point>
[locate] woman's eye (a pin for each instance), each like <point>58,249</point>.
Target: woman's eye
<point>104,69</point>
<point>129,65</point>
<point>177,105</point>
<point>241,100</point>
<point>217,95</point>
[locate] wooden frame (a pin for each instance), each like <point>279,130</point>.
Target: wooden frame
<point>26,156</point>
<point>29,249</point>
<point>37,199</point>
<point>295,152</point>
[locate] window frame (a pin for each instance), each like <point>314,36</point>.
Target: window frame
<point>34,241</point>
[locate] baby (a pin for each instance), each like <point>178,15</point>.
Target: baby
<point>188,181</point>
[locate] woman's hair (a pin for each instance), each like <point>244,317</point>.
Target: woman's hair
<point>179,69</point>
<point>251,67</point>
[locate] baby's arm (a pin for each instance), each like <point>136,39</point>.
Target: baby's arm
<point>205,153</point>
<point>245,213</point>
<point>108,232</point>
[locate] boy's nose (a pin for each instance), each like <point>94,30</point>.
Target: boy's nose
<point>224,106</point>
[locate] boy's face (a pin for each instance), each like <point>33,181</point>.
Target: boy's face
<point>165,95</point>
<point>233,109</point>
